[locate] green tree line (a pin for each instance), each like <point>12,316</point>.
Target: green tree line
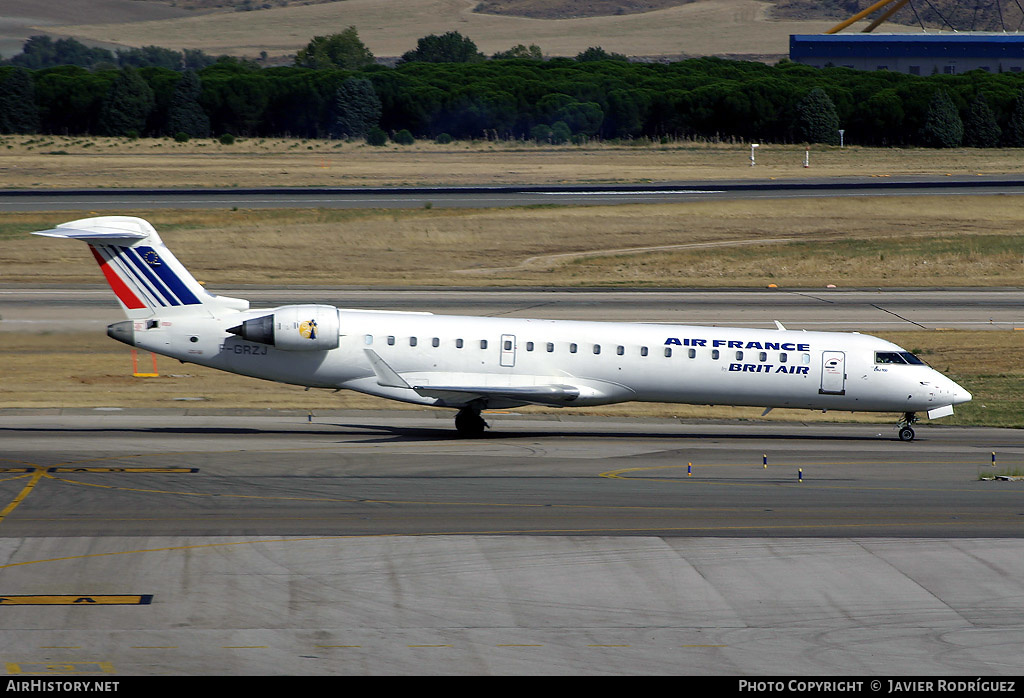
<point>43,52</point>
<point>451,90</point>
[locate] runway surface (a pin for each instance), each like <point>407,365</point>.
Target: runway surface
<point>500,196</point>
<point>378,543</point>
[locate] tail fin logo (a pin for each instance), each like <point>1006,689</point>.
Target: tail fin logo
<point>141,279</point>
<point>308,329</point>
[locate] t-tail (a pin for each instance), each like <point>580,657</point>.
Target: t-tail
<point>145,276</point>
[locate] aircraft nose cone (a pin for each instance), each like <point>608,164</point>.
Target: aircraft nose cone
<point>960,395</point>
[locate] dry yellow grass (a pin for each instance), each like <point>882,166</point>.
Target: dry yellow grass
<point>91,370</point>
<point>46,162</point>
<point>891,241</point>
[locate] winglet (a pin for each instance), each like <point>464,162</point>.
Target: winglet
<point>386,376</point>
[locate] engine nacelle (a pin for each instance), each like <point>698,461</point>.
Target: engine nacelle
<point>294,328</point>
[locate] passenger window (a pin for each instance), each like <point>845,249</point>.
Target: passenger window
<point>597,348</point>
<point>620,350</point>
<point>783,357</point>
<point>551,347</point>
<point>412,341</point>
<point>391,340</point>
<point>805,358</point>
<point>714,354</point>
<point>435,342</point>
<point>458,343</point>
<point>739,356</point>
<point>692,353</point>
<point>529,346</point>
<point>368,339</point>
<point>483,343</point>
<point>643,351</point>
<point>668,352</point>
<point>763,356</point>
<point>572,348</point>
<point>508,345</point>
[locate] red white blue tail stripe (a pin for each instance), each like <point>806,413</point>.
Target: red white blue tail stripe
<point>140,277</point>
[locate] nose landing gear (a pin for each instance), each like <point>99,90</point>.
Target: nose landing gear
<point>906,431</point>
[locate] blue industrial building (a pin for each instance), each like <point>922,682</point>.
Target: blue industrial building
<point>914,54</point>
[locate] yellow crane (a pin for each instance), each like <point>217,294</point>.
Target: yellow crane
<point>896,5</point>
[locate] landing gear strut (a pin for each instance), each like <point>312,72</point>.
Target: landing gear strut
<point>904,425</point>
<point>468,421</point>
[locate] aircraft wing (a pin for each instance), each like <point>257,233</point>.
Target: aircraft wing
<point>551,394</point>
<point>533,394</point>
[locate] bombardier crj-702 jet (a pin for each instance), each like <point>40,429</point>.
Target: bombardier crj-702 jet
<point>476,363</point>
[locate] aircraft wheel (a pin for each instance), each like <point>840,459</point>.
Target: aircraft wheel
<point>469,423</point>
<point>906,434</point>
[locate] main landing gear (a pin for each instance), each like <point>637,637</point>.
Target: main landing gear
<point>468,421</point>
<point>905,430</point>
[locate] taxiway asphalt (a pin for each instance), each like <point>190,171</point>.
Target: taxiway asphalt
<point>378,543</point>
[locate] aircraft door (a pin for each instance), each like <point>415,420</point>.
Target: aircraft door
<point>833,373</point>
<point>508,350</point>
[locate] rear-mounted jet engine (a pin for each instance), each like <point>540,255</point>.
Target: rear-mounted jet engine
<point>294,328</point>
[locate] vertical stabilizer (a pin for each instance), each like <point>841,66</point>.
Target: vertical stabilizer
<point>145,276</point>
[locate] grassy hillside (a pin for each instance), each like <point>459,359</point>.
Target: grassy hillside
<point>990,15</point>
<point>567,9</point>
<point>751,29</point>
<point>391,27</point>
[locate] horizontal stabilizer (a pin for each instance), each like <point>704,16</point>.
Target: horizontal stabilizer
<point>103,228</point>
<point>87,235</point>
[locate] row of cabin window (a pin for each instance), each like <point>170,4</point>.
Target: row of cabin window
<point>574,348</point>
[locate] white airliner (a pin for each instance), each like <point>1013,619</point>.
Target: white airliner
<point>476,363</point>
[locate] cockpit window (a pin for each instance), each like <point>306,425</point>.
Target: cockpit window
<point>897,357</point>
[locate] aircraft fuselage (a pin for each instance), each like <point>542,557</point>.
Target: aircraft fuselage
<point>611,362</point>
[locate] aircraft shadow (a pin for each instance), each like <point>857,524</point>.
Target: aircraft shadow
<point>402,433</point>
<point>395,434</point>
